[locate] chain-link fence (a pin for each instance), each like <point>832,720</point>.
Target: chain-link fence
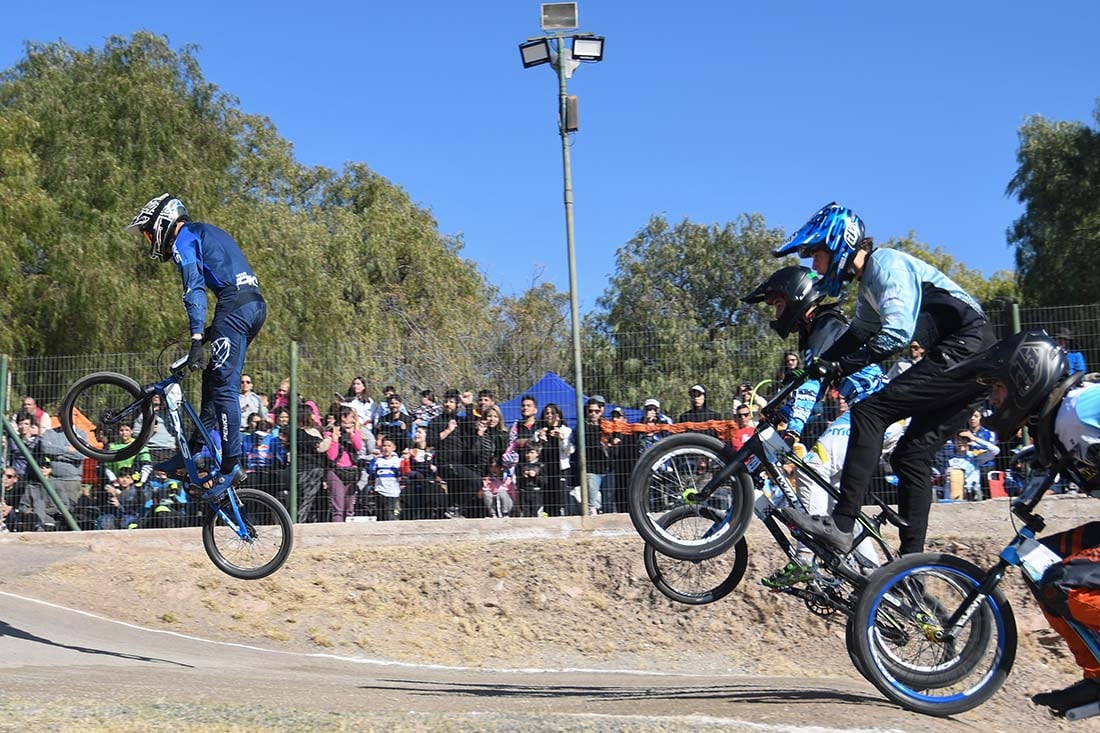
<point>636,368</point>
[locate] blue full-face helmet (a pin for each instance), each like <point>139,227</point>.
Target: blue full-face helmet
<point>835,229</point>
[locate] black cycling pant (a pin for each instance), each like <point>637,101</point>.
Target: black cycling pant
<point>939,406</point>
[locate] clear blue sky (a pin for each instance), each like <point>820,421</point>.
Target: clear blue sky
<point>908,113</point>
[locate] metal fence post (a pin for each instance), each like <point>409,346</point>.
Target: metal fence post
<point>292,398</point>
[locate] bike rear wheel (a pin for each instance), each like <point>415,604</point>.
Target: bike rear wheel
<point>669,476</point>
<point>898,631</point>
<point>107,400</point>
<point>696,582</point>
<point>262,545</point>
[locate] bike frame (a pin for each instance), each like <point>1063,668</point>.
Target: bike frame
<point>171,394</point>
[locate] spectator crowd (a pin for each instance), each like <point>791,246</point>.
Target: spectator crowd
<point>381,457</point>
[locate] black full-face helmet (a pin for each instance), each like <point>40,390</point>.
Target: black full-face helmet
<point>797,285</point>
<point>157,221</point>
<point>1030,365</point>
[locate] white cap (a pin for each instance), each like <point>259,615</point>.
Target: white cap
<point>652,403</point>
<point>698,388</point>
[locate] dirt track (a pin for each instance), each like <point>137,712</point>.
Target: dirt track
<point>493,625</point>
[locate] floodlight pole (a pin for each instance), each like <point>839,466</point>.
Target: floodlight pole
<point>567,173</point>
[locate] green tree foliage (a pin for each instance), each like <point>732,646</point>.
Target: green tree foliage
<point>672,314</point>
<point>1056,239</point>
<point>999,284</point>
<point>86,137</point>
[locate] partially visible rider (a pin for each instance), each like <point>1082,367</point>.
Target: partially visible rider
<point>1029,376</point>
<point>899,297</point>
<point>793,293</point>
<point>208,258</point>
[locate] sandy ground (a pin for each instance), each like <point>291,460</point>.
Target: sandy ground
<point>549,594</point>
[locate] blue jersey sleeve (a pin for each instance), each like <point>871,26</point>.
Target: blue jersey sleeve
<point>800,405</point>
<point>187,252</point>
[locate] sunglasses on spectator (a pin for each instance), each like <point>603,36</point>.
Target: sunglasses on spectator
<point>594,410</point>
<point>246,381</point>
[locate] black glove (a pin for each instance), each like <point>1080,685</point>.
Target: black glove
<point>822,369</point>
<point>196,358</point>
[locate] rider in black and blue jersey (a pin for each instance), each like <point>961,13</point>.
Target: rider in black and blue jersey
<point>208,258</point>
<point>897,293</point>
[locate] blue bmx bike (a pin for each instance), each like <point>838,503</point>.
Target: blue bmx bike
<point>247,533</point>
<point>937,635</point>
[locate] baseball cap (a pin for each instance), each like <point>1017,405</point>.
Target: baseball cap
<point>698,388</point>
<point>598,398</point>
<point>652,403</point>
<point>617,411</point>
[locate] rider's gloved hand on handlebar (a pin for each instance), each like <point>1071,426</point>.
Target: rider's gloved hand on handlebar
<point>822,369</point>
<point>196,357</point>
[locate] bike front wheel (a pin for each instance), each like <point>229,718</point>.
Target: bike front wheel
<point>668,477</point>
<point>258,544</point>
<point>900,632</point>
<point>94,408</point>
<point>696,582</point>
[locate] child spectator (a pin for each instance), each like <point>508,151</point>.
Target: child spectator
<point>498,490</point>
<point>530,482</point>
<point>421,493</point>
<point>385,471</point>
<point>1064,339</point>
<point>965,454</point>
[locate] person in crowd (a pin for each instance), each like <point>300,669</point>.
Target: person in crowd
<point>394,424</point>
<point>963,457</point>
<point>530,482</point>
<point>40,416</point>
<point>66,464</point>
<point>523,429</point>
<point>251,404</point>
<point>208,258</point>
<point>30,433</point>
<point>1064,338</point>
<point>161,444</point>
<point>896,293</point>
<point>265,458</point>
<point>383,405</point>
<point>358,398</point>
<point>916,353</point>
<point>790,362</point>
<point>164,504</point>
<point>427,410</point>
<point>652,415</point>
<point>498,490</point>
<point>485,401</point>
<point>421,496</point>
<point>597,479</point>
<point>745,429</point>
<point>747,395</point>
<point>140,464</point>
<point>450,436</point>
<point>385,474</point>
<point>491,438</point>
<point>312,469</point>
<point>18,514</point>
<point>699,411</point>
<point>343,445</point>
<point>623,450</point>
<point>556,445</point>
<point>125,500</point>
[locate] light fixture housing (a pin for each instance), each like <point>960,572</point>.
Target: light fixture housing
<point>588,48</point>
<point>559,16</point>
<point>535,52</point>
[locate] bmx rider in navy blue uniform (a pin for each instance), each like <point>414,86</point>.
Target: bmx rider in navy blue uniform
<point>209,259</point>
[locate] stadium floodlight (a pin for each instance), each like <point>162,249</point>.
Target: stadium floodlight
<point>559,16</point>
<point>534,53</point>
<point>588,48</point>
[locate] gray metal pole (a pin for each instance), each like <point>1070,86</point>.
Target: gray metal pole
<point>578,379</point>
<point>293,404</point>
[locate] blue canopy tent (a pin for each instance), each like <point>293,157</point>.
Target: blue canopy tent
<point>552,388</point>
